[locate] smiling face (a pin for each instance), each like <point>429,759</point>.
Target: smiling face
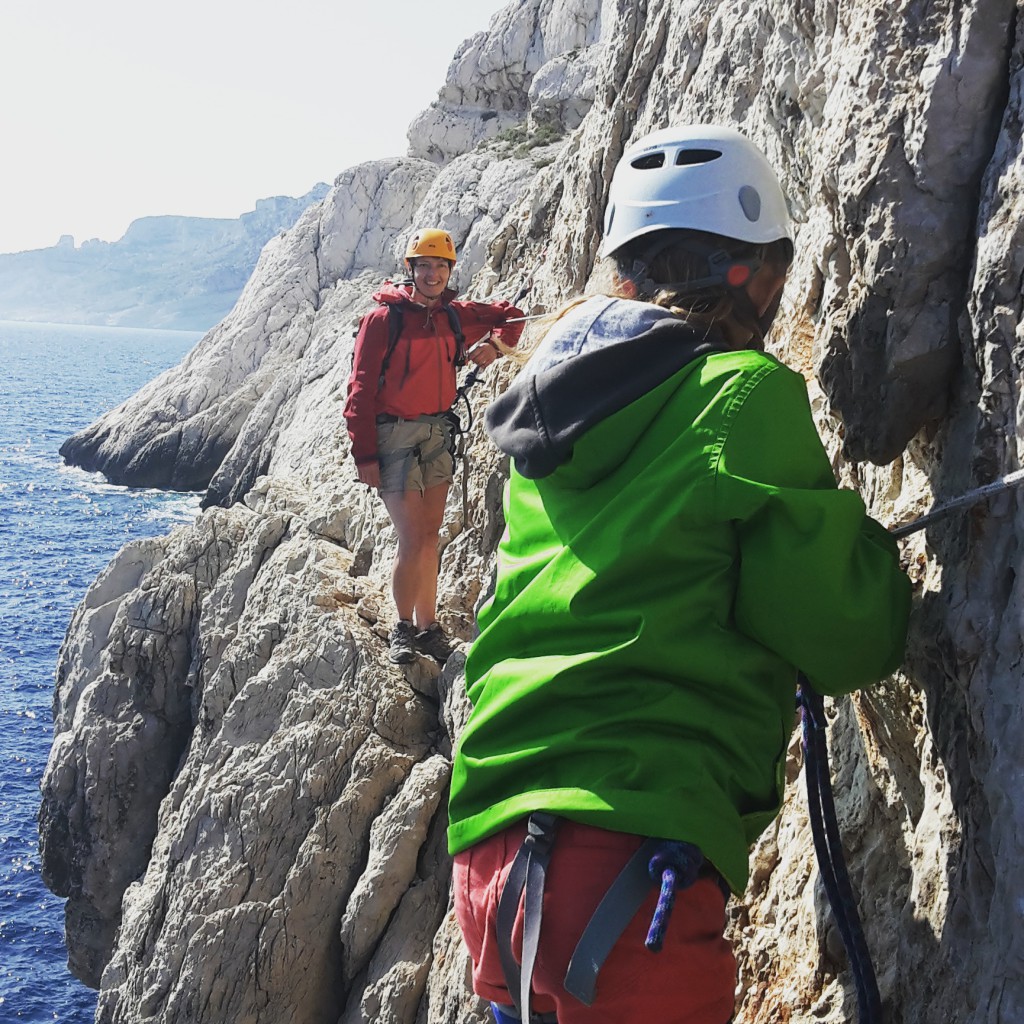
<point>430,275</point>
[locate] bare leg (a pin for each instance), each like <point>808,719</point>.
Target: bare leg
<point>417,518</point>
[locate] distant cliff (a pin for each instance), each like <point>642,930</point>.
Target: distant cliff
<point>244,804</point>
<point>183,273</point>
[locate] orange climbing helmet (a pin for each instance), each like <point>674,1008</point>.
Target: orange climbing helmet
<point>430,242</point>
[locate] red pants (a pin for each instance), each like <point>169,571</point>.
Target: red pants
<point>691,981</point>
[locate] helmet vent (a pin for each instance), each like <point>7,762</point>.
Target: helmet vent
<point>685,157</point>
<point>750,202</point>
<point>648,162</point>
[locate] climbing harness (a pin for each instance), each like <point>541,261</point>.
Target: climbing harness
<point>668,864</point>
<point>507,1015</point>
<point>671,865</point>
<point>525,882</point>
<point>829,850</point>
<point>443,421</point>
<point>1004,483</point>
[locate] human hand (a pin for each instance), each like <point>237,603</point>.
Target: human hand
<point>483,353</point>
<point>369,474</point>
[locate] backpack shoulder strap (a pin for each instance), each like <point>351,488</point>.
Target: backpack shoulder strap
<point>394,330</point>
<point>460,337</point>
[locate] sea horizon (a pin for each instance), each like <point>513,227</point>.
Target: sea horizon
<point>99,327</point>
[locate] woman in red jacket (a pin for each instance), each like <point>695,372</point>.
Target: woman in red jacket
<point>400,392</point>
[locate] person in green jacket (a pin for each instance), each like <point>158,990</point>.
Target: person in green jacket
<point>676,552</point>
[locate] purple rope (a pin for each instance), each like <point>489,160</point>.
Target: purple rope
<point>675,866</point>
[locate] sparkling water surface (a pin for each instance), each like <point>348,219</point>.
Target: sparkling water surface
<point>58,528</point>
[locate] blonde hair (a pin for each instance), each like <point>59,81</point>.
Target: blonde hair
<point>537,329</point>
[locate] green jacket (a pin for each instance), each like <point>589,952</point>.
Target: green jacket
<point>674,554</point>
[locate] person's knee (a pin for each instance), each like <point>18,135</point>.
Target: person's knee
<point>417,545</point>
<point>423,532</point>
<point>428,547</point>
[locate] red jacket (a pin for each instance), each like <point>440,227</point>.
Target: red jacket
<point>420,377</point>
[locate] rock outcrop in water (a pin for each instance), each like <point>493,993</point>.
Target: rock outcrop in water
<point>245,802</point>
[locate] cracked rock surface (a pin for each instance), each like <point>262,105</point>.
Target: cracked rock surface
<point>245,801</point>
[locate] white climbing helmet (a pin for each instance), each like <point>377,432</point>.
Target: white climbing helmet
<point>703,177</point>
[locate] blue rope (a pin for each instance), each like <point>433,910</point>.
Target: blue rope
<point>674,866</point>
<point>829,850</point>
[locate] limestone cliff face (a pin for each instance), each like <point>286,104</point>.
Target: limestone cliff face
<point>245,802</point>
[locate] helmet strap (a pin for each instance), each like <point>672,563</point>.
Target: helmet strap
<point>765,321</point>
<point>748,316</point>
<point>723,269</point>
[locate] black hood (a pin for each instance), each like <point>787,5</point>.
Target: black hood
<point>601,357</point>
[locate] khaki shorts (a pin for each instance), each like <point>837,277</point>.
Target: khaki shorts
<point>413,456</point>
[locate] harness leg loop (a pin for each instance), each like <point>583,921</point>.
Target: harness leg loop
<point>525,883</point>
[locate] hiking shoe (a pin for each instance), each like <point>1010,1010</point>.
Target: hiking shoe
<point>402,642</point>
<point>433,642</point>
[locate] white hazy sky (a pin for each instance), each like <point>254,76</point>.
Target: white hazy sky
<point>117,109</point>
